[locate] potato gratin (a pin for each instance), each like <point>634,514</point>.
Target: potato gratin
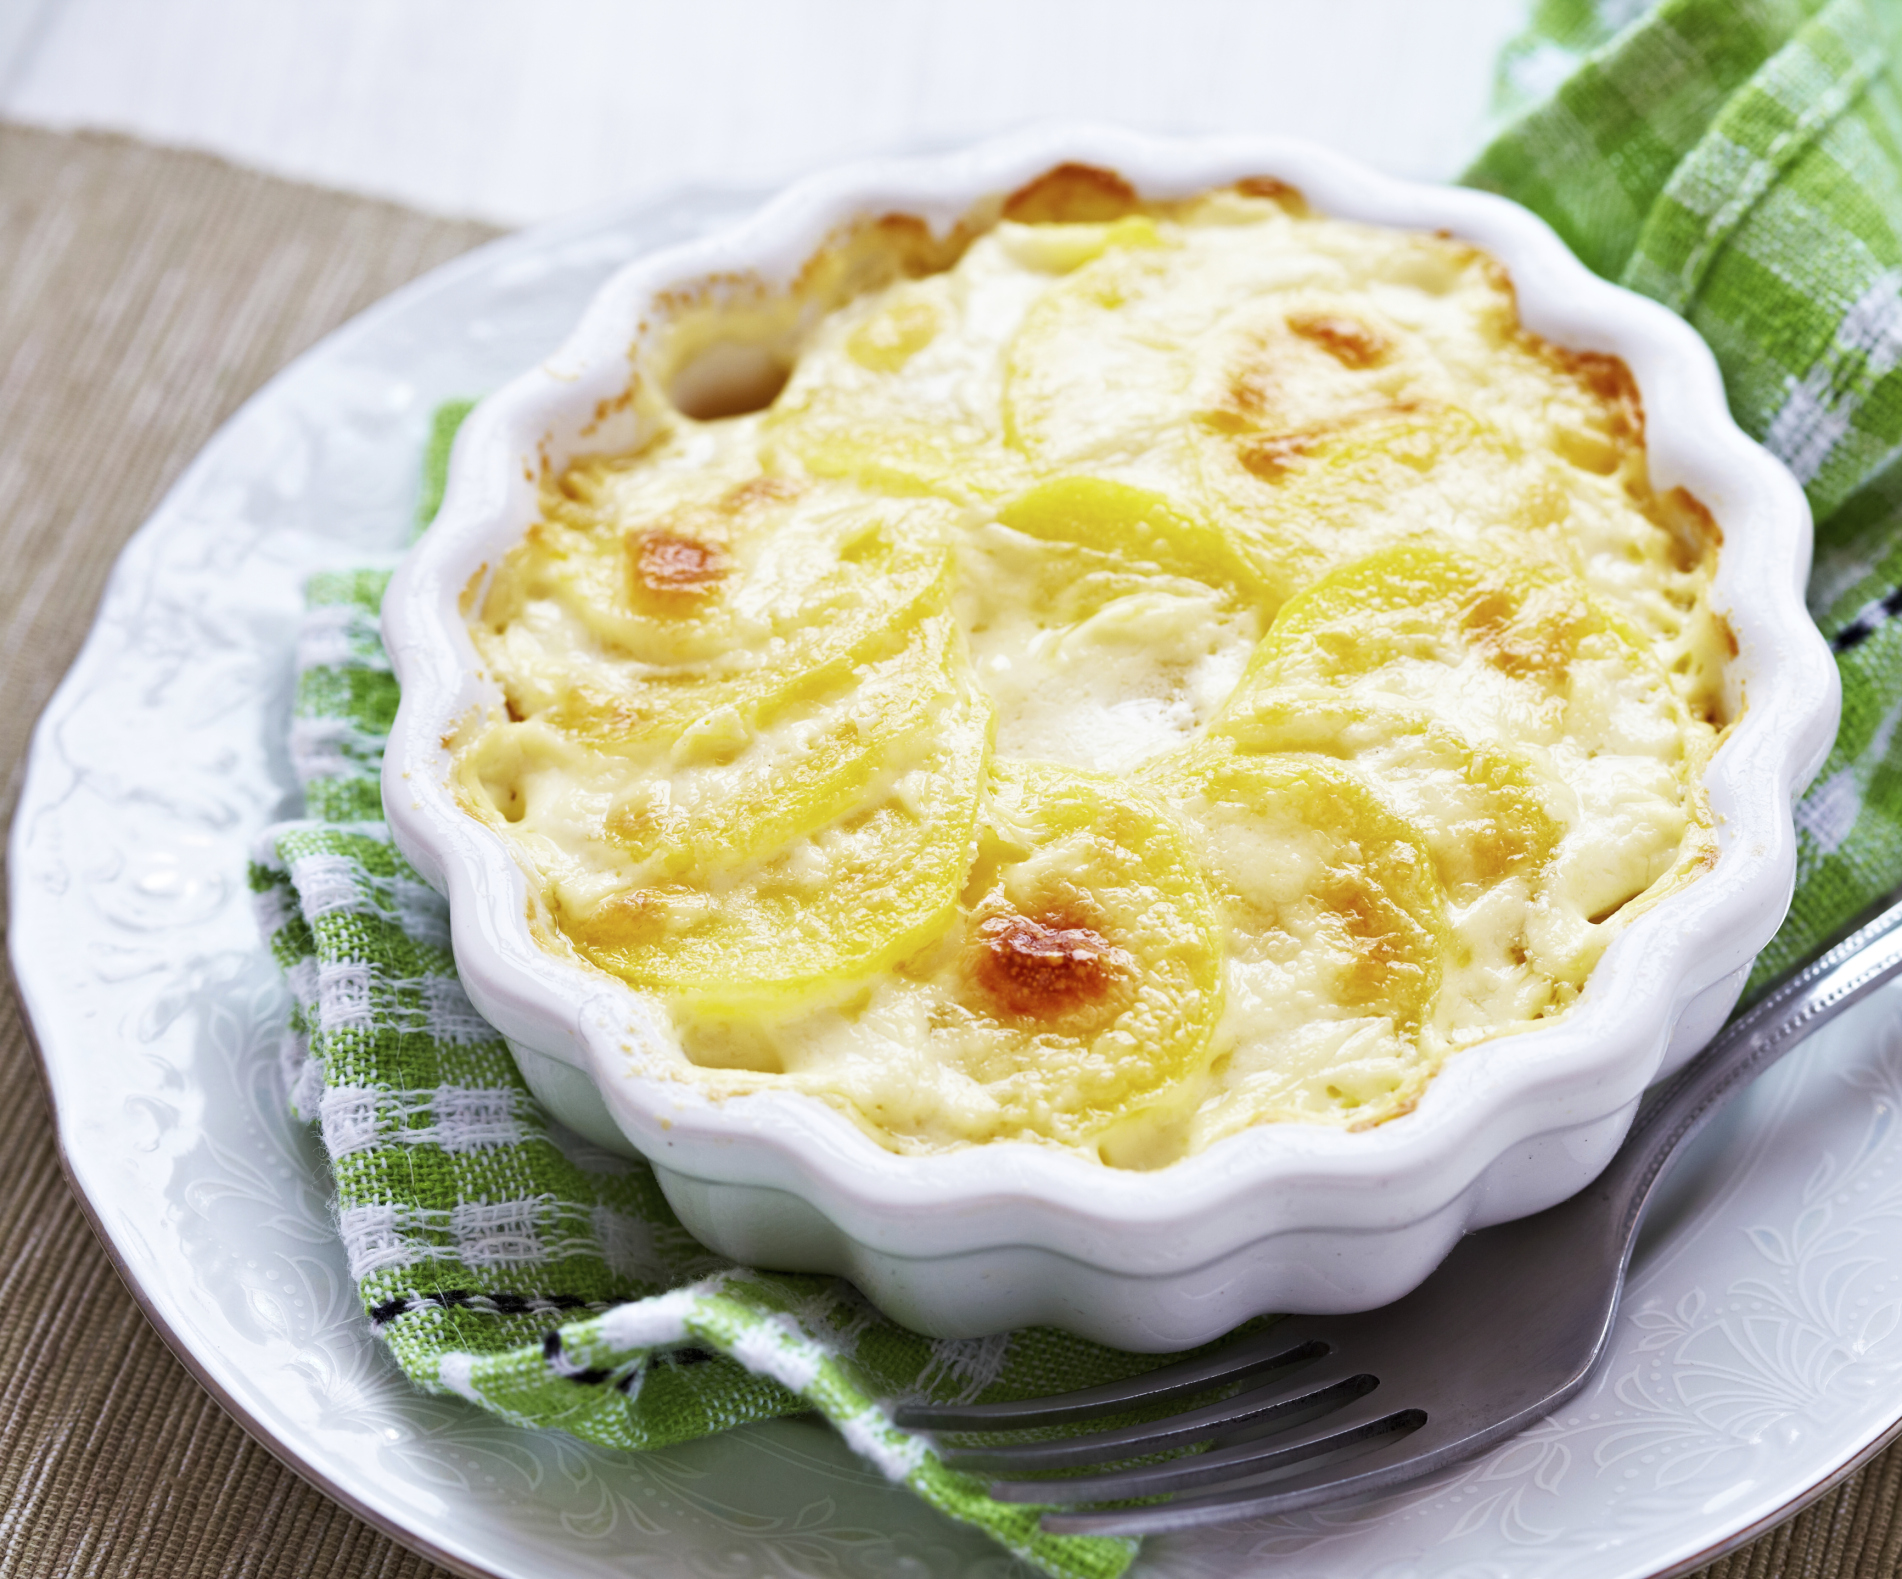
<point>1153,669</point>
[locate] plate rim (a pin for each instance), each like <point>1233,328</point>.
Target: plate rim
<point>182,1351</point>
<point>388,1524</point>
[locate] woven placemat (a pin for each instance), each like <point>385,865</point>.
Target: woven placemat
<point>143,294</point>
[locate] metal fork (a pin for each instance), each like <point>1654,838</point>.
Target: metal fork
<point>1509,1327</point>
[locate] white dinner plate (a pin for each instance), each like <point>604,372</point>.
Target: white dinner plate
<point>1757,1357</point>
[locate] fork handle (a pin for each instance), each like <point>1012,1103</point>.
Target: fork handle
<point>1680,1106</point>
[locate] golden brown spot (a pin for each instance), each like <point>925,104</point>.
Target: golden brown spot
<point>1694,537</point>
<point>1275,191</point>
<point>1251,387</point>
<point>1041,967</point>
<point>1616,427</point>
<point>869,254</point>
<point>610,406</point>
<point>1491,611</point>
<point>472,590</point>
<point>758,491</point>
<point>675,567</point>
<point>1380,956</point>
<point>1607,378</point>
<point>908,239</point>
<point>1272,457</point>
<point>1533,639</point>
<point>1071,194</point>
<point>669,548</point>
<point>625,920</point>
<point>1349,341</point>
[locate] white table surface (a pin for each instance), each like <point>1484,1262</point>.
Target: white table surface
<point>518,110</point>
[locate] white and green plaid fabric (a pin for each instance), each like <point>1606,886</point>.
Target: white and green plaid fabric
<point>1741,162</point>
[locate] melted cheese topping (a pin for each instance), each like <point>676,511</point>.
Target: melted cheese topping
<point>1198,666</point>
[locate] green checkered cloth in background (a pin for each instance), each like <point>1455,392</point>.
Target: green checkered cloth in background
<point>1741,162</point>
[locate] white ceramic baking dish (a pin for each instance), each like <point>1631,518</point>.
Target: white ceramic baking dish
<point>1281,1217</point>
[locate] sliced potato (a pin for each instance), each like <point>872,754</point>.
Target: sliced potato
<point>1144,530</point>
<point>807,919</point>
<point>1484,813</point>
<point>1083,977</point>
<point>861,589</point>
<point>1315,873</point>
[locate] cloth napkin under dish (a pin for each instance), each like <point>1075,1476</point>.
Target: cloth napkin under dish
<point>1740,160</point>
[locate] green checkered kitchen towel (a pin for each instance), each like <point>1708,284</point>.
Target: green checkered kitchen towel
<point>1740,160</point>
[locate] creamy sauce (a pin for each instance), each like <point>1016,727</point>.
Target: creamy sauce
<point>1198,667</point>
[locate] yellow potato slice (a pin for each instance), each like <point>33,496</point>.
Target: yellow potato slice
<point>1518,656</point>
<point>905,323</point>
<point>1504,649</point>
<point>860,595</point>
<point>894,456</point>
<point>1303,501</point>
<point>880,401</point>
<point>1081,386</point>
<point>654,567</point>
<point>1142,529</point>
<point>836,905</point>
<point>1316,875</point>
<point>723,798</point>
<point>1058,247</point>
<point>1483,812</point>
<point>1083,978</point>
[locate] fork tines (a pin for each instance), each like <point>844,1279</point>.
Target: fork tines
<point>1269,1350</point>
<point>1267,1423</point>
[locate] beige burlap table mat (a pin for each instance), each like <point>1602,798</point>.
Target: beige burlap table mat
<point>143,294</point>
